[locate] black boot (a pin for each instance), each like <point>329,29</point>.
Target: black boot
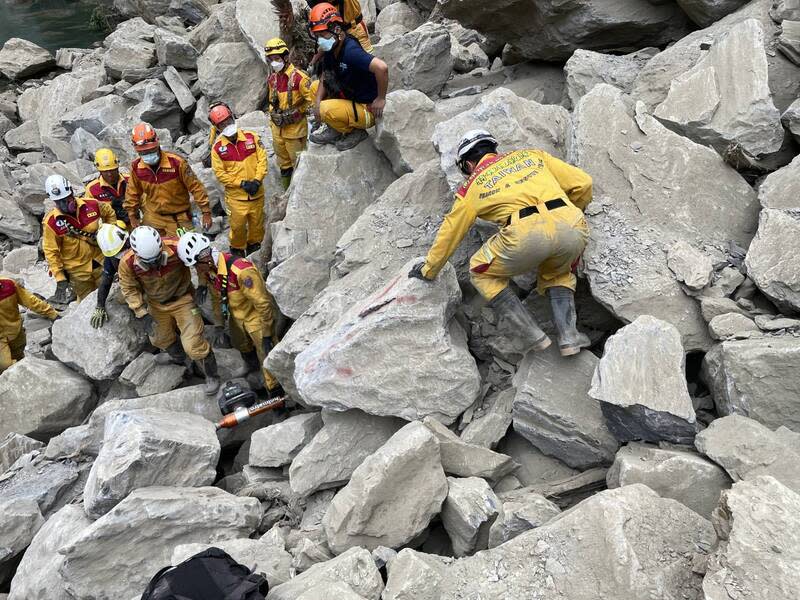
<point>276,392</point>
<point>172,354</point>
<point>514,320</point>
<point>208,367</point>
<point>562,303</point>
<point>252,248</point>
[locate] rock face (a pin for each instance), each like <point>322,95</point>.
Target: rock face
<point>554,412</point>
<point>19,59</point>
<point>147,447</point>
<point>19,522</point>
<point>278,444</point>
<point>758,526</point>
<point>470,509</point>
<point>706,12</point>
<point>641,384</point>
<point>117,555</point>
<point>400,134</point>
<point>777,235</point>
<point>41,398</point>
<point>756,378</point>
<point>419,59</point>
<point>658,536</point>
<point>403,478</point>
<point>257,23</point>
<point>781,189</point>
<point>230,72</point>
<point>585,69</point>
<point>345,440</point>
<point>683,476</point>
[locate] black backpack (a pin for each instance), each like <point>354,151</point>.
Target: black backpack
<point>208,575</point>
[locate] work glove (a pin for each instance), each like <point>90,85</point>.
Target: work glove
<point>416,271</point>
<point>250,187</point>
<point>218,337</point>
<point>64,293</point>
<point>266,344</point>
<point>200,295</point>
<point>99,317</point>
<point>149,324</point>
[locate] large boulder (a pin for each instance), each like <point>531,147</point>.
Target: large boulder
<point>777,236</point>
<point>20,519</point>
<point>633,159</point>
<point>756,378</point>
<point>95,115</point>
<point>150,447</point>
<point>781,189</point>
<point>181,91</point>
<point>468,513</point>
<point>117,555</point>
<point>13,446</point>
<point>553,410</point>
<point>20,59</point>
<point>522,510</point>
<point>97,353</point>
<point>130,47</point>
<point>403,134</point>
<point>585,69</point>
<point>174,50</point>
<point>364,359</point>
<point>220,26</point>
<point>415,576</point>
<point>41,398</point>
<point>641,384</point>
<point>392,496</point>
<point>706,12</point>
<point>232,72</point>
<point>278,444</point>
<point>17,223</point>
<point>258,23</point>
<point>25,138</point>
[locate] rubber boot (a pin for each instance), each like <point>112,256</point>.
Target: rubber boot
<point>276,392</point>
<point>208,367</point>
<point>562,303</point>
<point>286,177</point>
<point>173,354</point>
<point>252,248</point>
<point>514,320</point>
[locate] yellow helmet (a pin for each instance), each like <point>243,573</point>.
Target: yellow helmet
<point>105,160</point>
<point>111,238</point>
<point>276,46</point>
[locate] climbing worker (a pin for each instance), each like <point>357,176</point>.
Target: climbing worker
<point>158,289</point>
<point>240,164</point>
<point>352,88</point>
<point>68,240</point>
<point>289,95</point>
<point>12,334</point>
<point>159,185</point>
<point>538,202</point>
<point>239,297</point>
<point>110,186</point>
<point>350,11</point>
<point>113,241</point>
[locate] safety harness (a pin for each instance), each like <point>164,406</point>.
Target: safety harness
<point>223,269</point>
<point>75,232</point>
<point>289,115</point>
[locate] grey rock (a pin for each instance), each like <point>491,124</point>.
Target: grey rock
<point>149,10</point>
<point>95,115</point>
<point>706,12</point>
<point>13,446</point>
<point>731,325</point>
<point>535,467</point>
<point>397,19</point>
<point>641,384</point>
<point>154,101</point>
<point>781,189</point>
<point>17,223</point>
<point>415,576</point>
<point>404,132</point>
<point>278,444</point>
<point>84,144</point>
<point>131,49</point>
<point>20,519</point>
<point>116,555</point>
<point>491,426</point>
<point>690,266</point>
<point>181,91</point>
<point>74,442</point>
<point>711,307</point>
<point>174,50</point>
<point>766,265</point>
<point>257,23</point>
<point>403,478</point>
<point>526,511</point>
<point>24,138</point>
<point>683,476</point>
<point>769,323</point>
<point>468,512</point>
<point>344,442</point>
<point>233,73</point>
<point>419,59</point>
<point>20,258</point>
<point>20,59</point>
<point>585,69</point>
<point>149,377</point>
<point>150,447</point>
<point>50,483</point>
<point>467,58</point>
<point>554,411</point>
<point>791,119</point>
<point>220,26</point>
<point>789,40</point>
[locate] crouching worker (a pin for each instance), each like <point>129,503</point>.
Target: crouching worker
<point>239,297</point>
<point>538,201</point>
<point>158,289</point>
<point>12,334</point>
<point>113,242</point>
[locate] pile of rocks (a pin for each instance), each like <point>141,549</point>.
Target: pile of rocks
<point>420,455</point>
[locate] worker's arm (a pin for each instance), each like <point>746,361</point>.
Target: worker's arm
<point>216,306</point>
<point>381,71</point>
<point>133,198</point>
<point>107,212</point>
<point>51,246</point>
<point>252,284</point>
<point>131,289</point>
<point>34,303</point>
<point>261,160</point>
<point>576,182</point>
<point>110,266</point>
<point>455,226</point>
<point>319,98</point>
<point>195,187</point>
<point>227,178</point>
<point>212,137</point>
<point>308,91</point>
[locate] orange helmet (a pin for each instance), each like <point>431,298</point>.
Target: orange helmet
<point>144,137</point>
<point>322,15</point>
<point>218,113</point>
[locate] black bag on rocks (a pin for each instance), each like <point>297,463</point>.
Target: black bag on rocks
<point>208,575</point>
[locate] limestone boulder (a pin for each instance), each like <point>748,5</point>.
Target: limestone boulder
<point>51,484</point>
<point>490,425</point>
<point>13,446</point>
<point>791,116</point>
<point>418,60</point>
<point>397,19</point>
<point>731,325</point>
<point>468,513</point>
<point>181,91</point>
<point>690,266</point>
<point>20,519</point>
<point>220,26</point>
<point>17,223</point>
<point>232,72</point>
<point>404,132</point>
<point>776,236</point>
<point>20,59</point>
<point>149,377</point>
<point>585,69</point>
<point>258,23</point>
<point>415,576</point>
<point>25,138</point>
<point>130,48</point>
<point>174,50</point>
<point>706,12</point>
<point>278,444</point>
<point>155,102</point>
<point>95,115</point>
<point>522,510</point>
<point>781,189</point>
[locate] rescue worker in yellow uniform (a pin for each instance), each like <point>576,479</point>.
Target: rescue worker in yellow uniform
<point>538,202</point>
<point>354,24</point>
<point>12,334</point>
<point>353,84</point>
<point>289,95</point>
<point>239,297</point>
<point>240,164</point>
<point>111,185</point>
<point>159,186</point>
<point>157,287</point>
<point>68,240</point>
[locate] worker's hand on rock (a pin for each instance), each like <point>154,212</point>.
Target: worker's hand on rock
<point>207,221</point>
<point>200,295</point>
<point>266,343</point>
<point>377,106</point>
<point>218,337</point>
<point>99,317</point>
<point>416,271</point>
<point>64,293</point>
<point>149,324</point>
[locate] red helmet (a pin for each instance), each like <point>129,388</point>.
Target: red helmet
<point>144,138</point>
<point>322,15</point>
<point>218,113</point>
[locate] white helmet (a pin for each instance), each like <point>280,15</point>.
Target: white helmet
<point>111,239</point>
<point>146,243</point>
<point>190,246</point>
<point>468,141</point>
<point>57,187</point>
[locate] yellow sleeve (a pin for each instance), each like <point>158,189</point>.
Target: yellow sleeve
<point>576,182</point>
<point>307,90</point>
<point>131,289</point>
<point>261,156</point>
<point>229,180</point>
<point>51,245</point>
<point>133,196</point>
<point>195,187</point>
<point>255,290</point>
<point>212,136</point>
<point>455,226</point>
<point>34,303</point>
<point>107,212</point>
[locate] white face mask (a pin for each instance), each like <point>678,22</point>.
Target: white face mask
<point>277,65</point>
<point>151,158</point>
<point>326,44</point>
<point>229,131</point>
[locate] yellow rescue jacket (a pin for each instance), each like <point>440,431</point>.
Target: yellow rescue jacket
<point>101,190</point>
<point>69,242</point>
<point>12,294</point>
<point>289,94</point>
<point>498,188</point>
<point>243,160</point>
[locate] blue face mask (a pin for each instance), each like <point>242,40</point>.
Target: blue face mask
<point>326,44</point>
<point>151,158</point>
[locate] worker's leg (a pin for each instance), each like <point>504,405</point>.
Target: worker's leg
<point>84,283</point>
<point>255,222</point>
<point>163,335</point>
<point>12,350</point>
<point>190,324</point>
<point>237,219</point>
<point>282,155</point>
<point>360,32</point>
<point>257,338</point>
<point>6,360</point>
<point>568,242</point>
<point>341,116</point>
<point>167,225</point>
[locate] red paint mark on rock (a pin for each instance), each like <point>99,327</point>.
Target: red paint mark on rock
<point>410,299</point>
<point>344,371</point>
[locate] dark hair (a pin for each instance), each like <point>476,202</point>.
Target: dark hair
<point>480,150</point>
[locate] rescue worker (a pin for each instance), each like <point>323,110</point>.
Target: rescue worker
<point>352,88</point>
<point>240,164</point>
<point>12,334</point>
<point>159,185</point>
<point>538,202</point>
<point>239,297</point>
<point>158,289</point>
<point>110,186</point>
<point>113,241</point>
<point>68,240</point>
<point>350,11</point>
<point>289,95</point>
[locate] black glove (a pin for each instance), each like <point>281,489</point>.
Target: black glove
<point>251,187</point>
<point>256,184</point>
<point>416,271</point>
<point>200,295</point>
<point>266,344</point>
<point>219,339</point>
<point>64,293</point>
<point>149,324</point>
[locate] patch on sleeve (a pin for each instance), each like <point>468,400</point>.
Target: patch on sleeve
<point>248,282</point>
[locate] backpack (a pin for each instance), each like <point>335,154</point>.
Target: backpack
<point>208,575</point>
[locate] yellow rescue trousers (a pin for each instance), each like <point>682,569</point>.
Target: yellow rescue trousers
<point>245,339</point>
<point>12,349</point>
<point>548,242</point>
<point>167,225</point>
<point>84,283</point>
<point>287,150</point>
<point>246,219</point>
<point>183,314</point>
<point>345,115</point>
